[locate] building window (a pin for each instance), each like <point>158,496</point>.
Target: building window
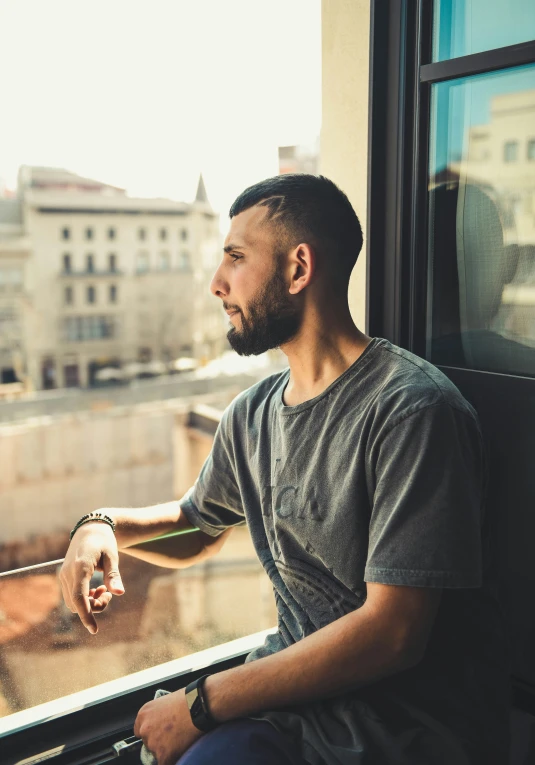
<point>67,263</point>
<point>91,295</point>
<point>90,263</point>
<point>65,233</point>
<point>164,261</point>
<point>142,265</point>
<point>510,151</point>
<point>184,234</point>
<point>112,262</point>
<point>142,234</point>
<point>89,233</point>
<point>183,261</point>
<point>163,234</point>
<point>531,150</point>
<point>111,233</point>
<point>80,328</point>
<point>113,293</point>
<point>11,278</point>
<point>69,296</point>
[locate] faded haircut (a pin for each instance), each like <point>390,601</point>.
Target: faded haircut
<point>309,209</point>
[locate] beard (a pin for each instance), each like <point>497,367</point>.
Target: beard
<point>273,319</point>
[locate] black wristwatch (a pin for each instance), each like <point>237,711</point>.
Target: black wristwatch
<point>198,707</point>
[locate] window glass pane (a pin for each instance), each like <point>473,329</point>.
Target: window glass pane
<point>164,614</point>
<point>462,27</point>
<point>482,223</point>
<point>158,230</point>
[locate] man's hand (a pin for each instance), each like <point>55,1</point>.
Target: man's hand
<point>165,727</point>
<point>93,548</point>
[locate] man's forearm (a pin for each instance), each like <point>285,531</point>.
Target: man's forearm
<point>353,651</point>
<point>136,525</point>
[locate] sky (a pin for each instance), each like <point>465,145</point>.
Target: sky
<point>146,94</point>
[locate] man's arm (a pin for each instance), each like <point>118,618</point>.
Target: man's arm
<point>386,635</point>
<point>96,547</point>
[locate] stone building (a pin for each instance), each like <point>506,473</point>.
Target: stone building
<point>92,278</point>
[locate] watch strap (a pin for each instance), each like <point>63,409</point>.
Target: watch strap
<point>198,705</point>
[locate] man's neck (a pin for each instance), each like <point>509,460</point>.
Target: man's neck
<point>319,359</point>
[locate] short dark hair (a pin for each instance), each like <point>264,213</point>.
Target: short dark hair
<point>311,209</point>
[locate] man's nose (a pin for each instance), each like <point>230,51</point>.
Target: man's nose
<point>218,286</point>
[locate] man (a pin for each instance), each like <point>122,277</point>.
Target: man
<point>360,473</point>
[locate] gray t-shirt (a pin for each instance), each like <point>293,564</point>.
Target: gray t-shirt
<point>380,478</point>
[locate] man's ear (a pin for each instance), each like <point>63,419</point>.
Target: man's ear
<point>303,263</point>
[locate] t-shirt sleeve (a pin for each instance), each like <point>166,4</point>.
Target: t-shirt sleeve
<point>426,519</point>
<point>214,503</point>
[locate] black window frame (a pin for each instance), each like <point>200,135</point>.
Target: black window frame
<point>401,78</point>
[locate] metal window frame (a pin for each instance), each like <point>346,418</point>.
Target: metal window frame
<point>401,78</point>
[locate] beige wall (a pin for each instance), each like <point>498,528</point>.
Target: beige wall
<point>344,133</point>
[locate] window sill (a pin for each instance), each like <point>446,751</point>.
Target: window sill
<point>43,713</point>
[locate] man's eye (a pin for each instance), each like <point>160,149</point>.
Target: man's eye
<point>235,257</point>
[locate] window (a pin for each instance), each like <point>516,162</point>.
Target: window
<point>142,234</point>
<point>67,264</point>
<point>113,293</point>
<point>91,295</point>
<point>65,233</point>
<point>89,233</point>
<point>112,262</point>
<point>531,150</point>
<point>83,328</point>
<point>510,151</point>
<point>164,261</point>
<point>184,234</point>
<point>142,264</point>
<point>11,278</point>
<point>90,263</point>
<point>481,260</point>
<point>111,233</point>
<point>183,261</point>
<point>462,27</point>
<point>15,278</point>
<point>163,234</point>
<point>69,296</point>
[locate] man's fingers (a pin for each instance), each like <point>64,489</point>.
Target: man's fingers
<point>99,598</point>
<point>112,577</point>
<point>80,597</point>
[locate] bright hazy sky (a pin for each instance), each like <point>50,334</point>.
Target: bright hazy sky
<point>145,94</point>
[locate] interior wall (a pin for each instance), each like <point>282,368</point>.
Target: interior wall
<point>344,133</point>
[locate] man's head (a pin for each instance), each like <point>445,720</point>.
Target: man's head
<point>285,232</point>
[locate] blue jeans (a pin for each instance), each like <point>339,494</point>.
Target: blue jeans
<point>243,742</point>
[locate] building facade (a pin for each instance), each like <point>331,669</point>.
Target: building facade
<point>95,279</point>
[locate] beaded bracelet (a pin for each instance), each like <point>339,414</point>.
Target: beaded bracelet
<point>93,517</point>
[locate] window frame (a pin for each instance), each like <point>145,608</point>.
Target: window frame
<point>401,78</point>
<point>89,730</point>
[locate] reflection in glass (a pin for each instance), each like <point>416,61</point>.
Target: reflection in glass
<point>462,27</point>
<point>482,223</point>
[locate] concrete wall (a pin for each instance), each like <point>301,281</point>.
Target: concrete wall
<point>344,133</point>
<point>53,470</point>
